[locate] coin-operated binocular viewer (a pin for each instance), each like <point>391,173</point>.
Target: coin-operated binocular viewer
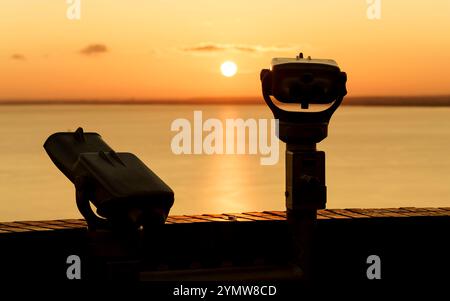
<point>303,81</point>
<point>125,192</point>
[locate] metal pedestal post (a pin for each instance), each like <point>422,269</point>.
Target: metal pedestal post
<point>305,194</point>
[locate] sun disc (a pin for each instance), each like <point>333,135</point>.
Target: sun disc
<point>228,68</point>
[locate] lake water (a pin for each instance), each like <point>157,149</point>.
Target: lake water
<point>376,157</point>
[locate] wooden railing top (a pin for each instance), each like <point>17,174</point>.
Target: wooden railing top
<point>327,214</point>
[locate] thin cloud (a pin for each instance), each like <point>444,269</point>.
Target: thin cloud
<point>214,47</point>
<point>94,49</point>
<point>204,48</point>
<point>18,57</point>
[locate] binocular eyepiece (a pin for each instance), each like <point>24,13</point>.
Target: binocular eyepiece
<point>126,193</point>
<point>304,80</point>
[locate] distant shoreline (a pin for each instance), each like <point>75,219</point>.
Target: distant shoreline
<point>398,101</point>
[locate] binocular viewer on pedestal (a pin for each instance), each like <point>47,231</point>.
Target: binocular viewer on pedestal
<point>126,193</point>
<point>304,81</point>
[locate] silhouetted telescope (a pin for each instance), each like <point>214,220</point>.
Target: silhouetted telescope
<point>304,81</point>
<point>126,193</point>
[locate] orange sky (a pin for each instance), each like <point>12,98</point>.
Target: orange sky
<point>174,48</point>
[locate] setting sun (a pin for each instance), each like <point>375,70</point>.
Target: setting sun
<point>228,68</point>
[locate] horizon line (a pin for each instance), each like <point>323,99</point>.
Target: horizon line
<point>387,100</point>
